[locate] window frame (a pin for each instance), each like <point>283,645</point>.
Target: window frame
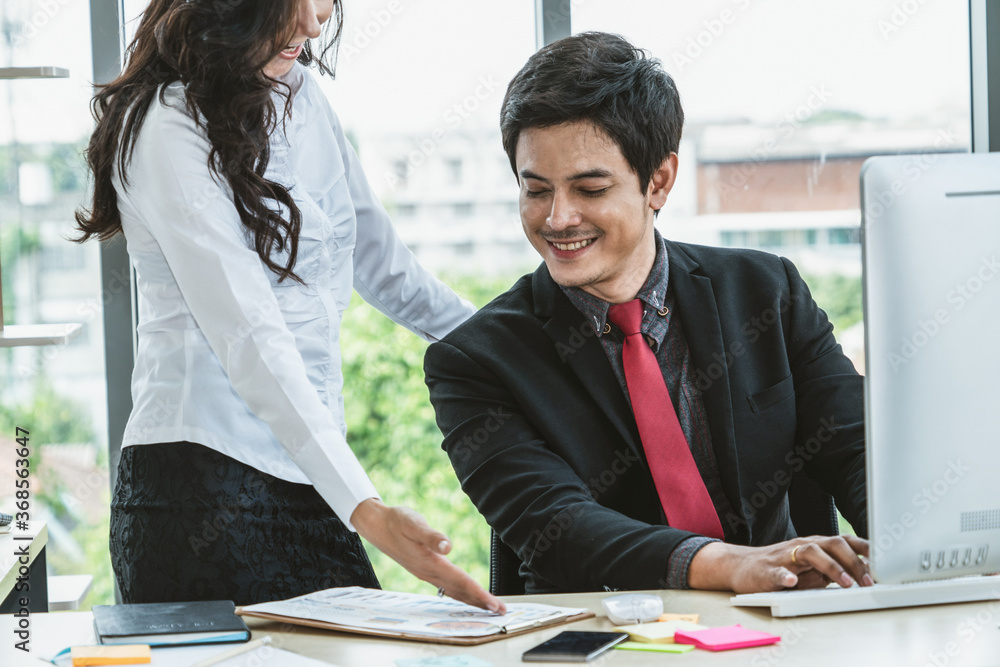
<point>984,67</point>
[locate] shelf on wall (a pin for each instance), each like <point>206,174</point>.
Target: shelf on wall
<point>8,73</point>
<point>24,335</point>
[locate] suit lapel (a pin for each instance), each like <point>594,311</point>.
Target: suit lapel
<point>579,348</point>
<point>698,311</point>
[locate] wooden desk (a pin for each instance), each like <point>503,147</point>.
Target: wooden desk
<point>11,548</point>
<point>916,636</point>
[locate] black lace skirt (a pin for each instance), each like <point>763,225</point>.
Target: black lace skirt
<point>189,523</point>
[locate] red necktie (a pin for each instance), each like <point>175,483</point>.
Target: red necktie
<point>681,489</point>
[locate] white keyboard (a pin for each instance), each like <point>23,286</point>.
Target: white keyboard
<point>834,599</point>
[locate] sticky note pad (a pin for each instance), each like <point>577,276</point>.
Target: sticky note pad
<point>690,618</point>
<point>725,638</point>
<point>121,654</point>
<point>655,648</point>
<point>657,632</point>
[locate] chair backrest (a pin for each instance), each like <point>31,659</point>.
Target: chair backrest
<point>812,510</point>
<point>504,566</point>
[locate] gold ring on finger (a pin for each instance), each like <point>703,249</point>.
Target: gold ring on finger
<point>795,562</point>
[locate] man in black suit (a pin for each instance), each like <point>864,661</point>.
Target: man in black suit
<point>535,393</point>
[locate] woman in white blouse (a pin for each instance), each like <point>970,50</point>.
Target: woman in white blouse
<point>249,221</point>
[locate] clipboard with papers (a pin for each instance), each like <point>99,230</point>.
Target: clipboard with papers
<point>409,616</point>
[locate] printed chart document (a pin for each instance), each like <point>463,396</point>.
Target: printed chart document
<point>409,616</point>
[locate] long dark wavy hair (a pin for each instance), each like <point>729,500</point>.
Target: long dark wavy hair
<point>218,50</point>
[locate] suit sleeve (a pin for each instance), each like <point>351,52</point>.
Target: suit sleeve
<point>830,425</point>
<point>531,495</point>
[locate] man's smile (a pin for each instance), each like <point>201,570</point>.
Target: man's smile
<point>572,245</point>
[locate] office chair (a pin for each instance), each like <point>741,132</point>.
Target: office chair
<point>812,510</point>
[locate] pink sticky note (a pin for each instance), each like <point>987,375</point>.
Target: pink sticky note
<point>725,638</point>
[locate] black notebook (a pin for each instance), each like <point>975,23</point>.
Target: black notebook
<point>170,623</point>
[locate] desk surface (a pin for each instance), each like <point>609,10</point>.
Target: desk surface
<point>960,634</point>
<point>890,637</point>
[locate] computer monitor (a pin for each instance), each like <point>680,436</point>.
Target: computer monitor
<point>931,256</point>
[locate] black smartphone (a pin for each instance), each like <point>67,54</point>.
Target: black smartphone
<point>573,646</point>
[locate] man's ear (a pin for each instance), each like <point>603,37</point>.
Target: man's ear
<point>662,182</point>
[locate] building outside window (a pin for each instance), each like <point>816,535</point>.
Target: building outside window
<point>453,168</point>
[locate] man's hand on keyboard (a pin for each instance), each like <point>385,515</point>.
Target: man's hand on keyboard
<point>805,562</point>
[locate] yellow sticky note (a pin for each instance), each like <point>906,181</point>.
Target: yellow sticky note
<point>690,618</point>
<point>659,632</point>
<point>122,654</point>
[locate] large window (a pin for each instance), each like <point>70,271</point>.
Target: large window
<point>419,89</point>
<point>57,393</point>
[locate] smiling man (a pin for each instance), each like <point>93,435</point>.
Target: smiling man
<point>634,413</point>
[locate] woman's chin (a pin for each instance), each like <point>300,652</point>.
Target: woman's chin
<point>278,68</point>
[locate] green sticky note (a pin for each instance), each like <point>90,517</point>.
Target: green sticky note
<point>656,648</point>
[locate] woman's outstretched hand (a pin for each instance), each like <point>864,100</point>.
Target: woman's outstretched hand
<point>405,536</point>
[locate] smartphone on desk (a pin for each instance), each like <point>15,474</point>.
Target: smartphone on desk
<point>573,646</point>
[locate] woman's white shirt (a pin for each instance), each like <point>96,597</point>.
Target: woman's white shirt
<point>227,356</point>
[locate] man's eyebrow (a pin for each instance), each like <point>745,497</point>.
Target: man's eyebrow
<point>527,173</point>
<point>592,173</point>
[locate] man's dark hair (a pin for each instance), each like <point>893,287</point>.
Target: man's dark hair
<point>600,78</point>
